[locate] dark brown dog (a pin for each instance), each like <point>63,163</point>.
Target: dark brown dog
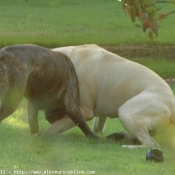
<point>46,78</point>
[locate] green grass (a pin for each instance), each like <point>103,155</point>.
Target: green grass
<point>72,151</point>
<point>66,22</point>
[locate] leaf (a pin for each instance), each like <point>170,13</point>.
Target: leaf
<point>161,15</point>
<point>143,28</point>
<point>147,22</point>
<point>154,27</point>
<point>126,9</point>
<point>151,36</point>
<point>147,12</point>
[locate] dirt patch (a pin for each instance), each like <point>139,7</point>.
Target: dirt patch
<point>144,51</point>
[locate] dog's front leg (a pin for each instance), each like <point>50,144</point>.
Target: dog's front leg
<point>9,103</point>
<point>32,111</point>
<point>5,112</point>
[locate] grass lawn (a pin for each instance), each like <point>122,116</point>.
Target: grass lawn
<point>72,151</point>
<point>66,22</point>
<point>72,22</point>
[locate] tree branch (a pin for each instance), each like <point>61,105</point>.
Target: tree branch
<point>165,15</point>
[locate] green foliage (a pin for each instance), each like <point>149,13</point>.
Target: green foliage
<point>147,12</point>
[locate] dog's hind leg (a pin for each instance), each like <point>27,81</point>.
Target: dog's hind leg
<point>32,117</point>
<point>66,123</point>
<point>143,113</point>
<point>59,126</point>
<point>99,124</point>
<point>138,129</point>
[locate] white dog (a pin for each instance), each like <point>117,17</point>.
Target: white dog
<point>111,86</point>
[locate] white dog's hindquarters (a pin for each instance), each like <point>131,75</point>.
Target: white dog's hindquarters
<point>143,115</point>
